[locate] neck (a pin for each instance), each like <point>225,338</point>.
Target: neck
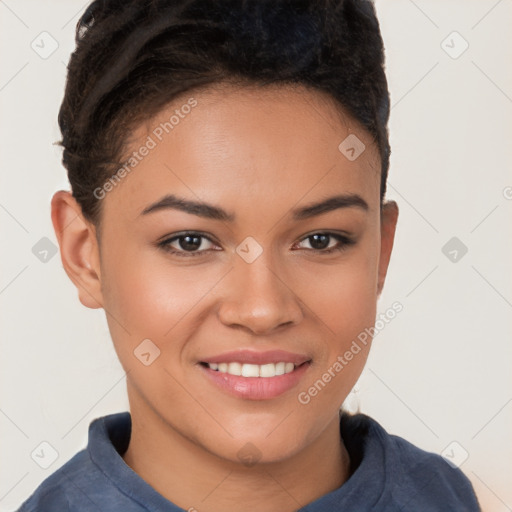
<point>193,478</point>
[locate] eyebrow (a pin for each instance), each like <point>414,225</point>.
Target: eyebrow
<point>200,209</point>
<point>209,211</point>
<point>330,204</point>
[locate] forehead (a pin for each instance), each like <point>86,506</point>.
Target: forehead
<point>240,145</point>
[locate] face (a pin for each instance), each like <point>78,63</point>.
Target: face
<point>248,252</point>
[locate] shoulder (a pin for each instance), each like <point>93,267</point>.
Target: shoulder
<point>415,479</point>
<point>84,483</point>
<point>427,479</point>
<point>53,493</point>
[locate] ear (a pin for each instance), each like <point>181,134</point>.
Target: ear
<point>79,249</point>
<point>388,221</point>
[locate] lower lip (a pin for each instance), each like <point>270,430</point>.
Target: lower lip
<point>256,388</point>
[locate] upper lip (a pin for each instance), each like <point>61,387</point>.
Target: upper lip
<point>254,357</point>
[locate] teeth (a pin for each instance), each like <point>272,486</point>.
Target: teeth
<point>250,370</point>
<point>268,370</point>
<point>253,370</point>
<point>235,369</point>
<point>280,368</point>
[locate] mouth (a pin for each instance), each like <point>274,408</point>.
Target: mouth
<point>253,370</point>
<point>255,375</point>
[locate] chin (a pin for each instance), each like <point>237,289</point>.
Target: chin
<point>271,444</point>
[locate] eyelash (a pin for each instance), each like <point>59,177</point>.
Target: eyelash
<point>343,240</point>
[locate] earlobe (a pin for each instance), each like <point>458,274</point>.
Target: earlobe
<point>389,218</point>
<point>78,248</point>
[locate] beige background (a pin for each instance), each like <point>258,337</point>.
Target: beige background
<point>440,372</point>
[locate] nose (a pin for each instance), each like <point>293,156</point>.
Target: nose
<point>257,298</point>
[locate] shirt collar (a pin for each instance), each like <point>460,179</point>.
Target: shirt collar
<point>364,439</point>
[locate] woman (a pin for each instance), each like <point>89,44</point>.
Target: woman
<point>228,165</point>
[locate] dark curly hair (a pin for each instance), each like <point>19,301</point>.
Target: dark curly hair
<point>133,57</point>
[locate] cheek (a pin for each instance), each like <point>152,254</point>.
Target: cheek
<point>150,296</point>
<point>344,303</point>
<point>343,300</point>
<point>343,295</point>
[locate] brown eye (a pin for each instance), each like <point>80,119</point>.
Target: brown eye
<point>319,241</point>
<point>325,242</point>
<point>187,244</point>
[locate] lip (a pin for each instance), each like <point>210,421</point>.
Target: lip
<point>254,357</point>
<point>256,388</point>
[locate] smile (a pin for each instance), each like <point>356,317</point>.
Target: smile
<point>253,370</point>
<point>252,375</point>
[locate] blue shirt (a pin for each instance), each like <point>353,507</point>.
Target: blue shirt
<point>387,474</point>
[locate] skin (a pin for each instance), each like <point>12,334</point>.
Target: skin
<point>258,154</point>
